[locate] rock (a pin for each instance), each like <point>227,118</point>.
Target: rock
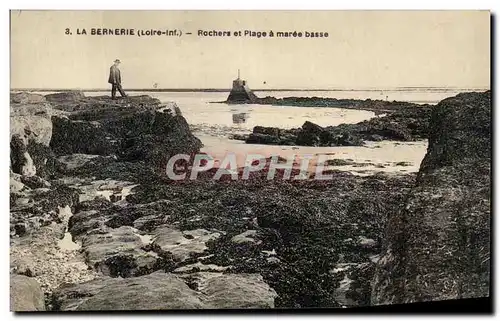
<point>378,106</point>
<point>26,98</point>
<point>245,237</point>
<point>40,256</point>
<point>118,253</point>
<point>403,122</point>
<point>242,137</point>
<point>108,189</point>
<point>367,243</point>
<point>30,118</point>
<point>237,291</point>
<point>166,291</point>
<point>156,291</point>
<point>20,159</point>
<point>134,225</point>
<point>339,162</point>
<point>65,97</point>
<point>262,139</point>
<point>273,131</point>
<point>138,128</point>
<point>15,183</point>
<point>354,283</point>
<point>25,294</point>
<point>35,182</point>
<point>312,128</point>
<point>30,134</point>
<point>241,93</point>
<point>81,137</point>
<point>438,246</point>
<point>198,266</point>
<point>182,244</point>
<point>39,207</point>
<point>273,260</point>
<point>74,161</point>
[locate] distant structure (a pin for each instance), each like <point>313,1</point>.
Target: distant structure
<point>240,93</point>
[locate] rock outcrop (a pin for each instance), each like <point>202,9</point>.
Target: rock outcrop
<point>162,291</point>
<point>378,106</point>
<point>437,246</point>
<point>48,185</point>
<point>138,128</point>
<point>404,125</point>
<point>99,227</point>
<point>30,133</point>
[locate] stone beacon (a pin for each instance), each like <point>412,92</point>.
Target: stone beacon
<point>241,93</point>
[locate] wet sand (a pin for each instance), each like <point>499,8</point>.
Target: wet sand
<point>384,156</point>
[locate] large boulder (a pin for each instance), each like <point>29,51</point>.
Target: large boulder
<point>26,98</point>
<point>437,247</point>
<point>137,128</point>
<point>25,294</point>
<point>167,291</point>
<point>30,118</point>
<point>156,291</point>
<point>30,133</point>
<point>33,208</point>
<point>118,253</point>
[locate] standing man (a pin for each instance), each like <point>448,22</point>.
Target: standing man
<point>115,80</point>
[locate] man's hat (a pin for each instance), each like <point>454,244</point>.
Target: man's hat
<point>117,60</point>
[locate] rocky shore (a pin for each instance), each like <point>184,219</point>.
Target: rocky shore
<point>375,105</point>
<point>395,120</point>
<point>410,123</point>
<point>96,225</point>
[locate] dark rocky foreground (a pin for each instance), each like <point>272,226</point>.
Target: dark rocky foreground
<point>92,169</point>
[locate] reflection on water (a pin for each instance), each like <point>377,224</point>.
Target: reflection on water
<point>239,118</point>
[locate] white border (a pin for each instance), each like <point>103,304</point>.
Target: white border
<point>186,5</point>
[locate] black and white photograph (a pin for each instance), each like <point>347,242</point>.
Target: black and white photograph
<point>244,160</point>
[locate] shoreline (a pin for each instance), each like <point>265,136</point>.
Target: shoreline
<point>440,89</point>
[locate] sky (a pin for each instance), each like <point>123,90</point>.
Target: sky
<point>364,49</point>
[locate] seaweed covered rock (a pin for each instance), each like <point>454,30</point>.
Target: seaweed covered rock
<point>162,291</point>
<point>137,128</point>
<point>293,234</point>
<point>31,209</point>
<point>437,246</point>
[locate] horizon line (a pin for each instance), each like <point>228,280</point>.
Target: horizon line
<point>257,89</point>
